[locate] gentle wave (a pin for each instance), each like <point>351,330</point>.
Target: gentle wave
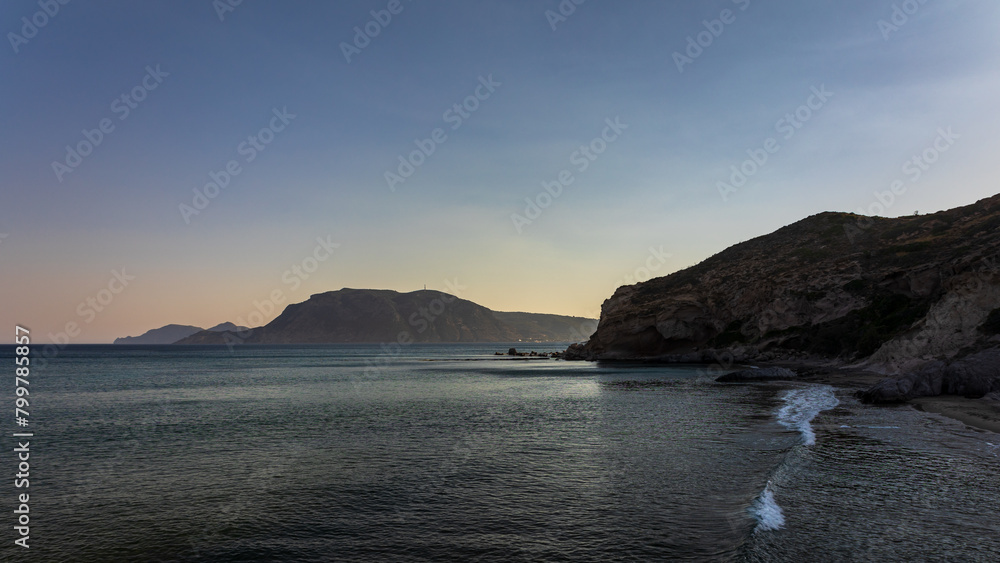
<point>802,405</point>
<point>800,408</point>
<point>767,512</point>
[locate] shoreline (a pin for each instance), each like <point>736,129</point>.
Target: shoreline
<point>981,414</point>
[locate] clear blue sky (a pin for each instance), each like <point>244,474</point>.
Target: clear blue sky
<point>323,174</point>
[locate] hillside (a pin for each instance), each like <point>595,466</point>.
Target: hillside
<point>548,328</point>
<point>887,294</point>
<point>373,316</point>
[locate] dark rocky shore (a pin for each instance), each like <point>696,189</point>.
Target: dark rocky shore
<point>973,377</point>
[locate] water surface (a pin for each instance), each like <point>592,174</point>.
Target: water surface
<point>368,453</point>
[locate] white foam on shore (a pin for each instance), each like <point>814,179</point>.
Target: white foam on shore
<point>767,512</point>
<point>802,405</point>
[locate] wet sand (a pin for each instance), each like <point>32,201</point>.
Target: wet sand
<point>983,414</point>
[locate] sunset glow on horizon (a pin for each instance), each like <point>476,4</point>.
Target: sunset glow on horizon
<point>178,162</point>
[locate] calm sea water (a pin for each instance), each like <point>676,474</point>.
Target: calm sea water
<point>360,453</point>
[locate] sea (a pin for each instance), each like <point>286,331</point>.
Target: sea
<point>451,453</point>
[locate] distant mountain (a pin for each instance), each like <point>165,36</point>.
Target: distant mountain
<point>163,335</point>
<point>372,315</point>
<point>227,326</point>
<point>172,333</point>
<point>548,328</point>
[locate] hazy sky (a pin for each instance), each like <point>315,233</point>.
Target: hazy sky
<point>310,115</point>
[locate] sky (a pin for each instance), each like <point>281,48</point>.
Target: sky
<point>196,162</point>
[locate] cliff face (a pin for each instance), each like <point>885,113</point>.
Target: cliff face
<point>888,293</point>
<point>373,316</point>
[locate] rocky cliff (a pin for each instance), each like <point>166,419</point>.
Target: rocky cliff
<point>373,316</point>
<point>887,294</point>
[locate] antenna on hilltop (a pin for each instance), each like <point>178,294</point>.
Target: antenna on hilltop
<point>425,287</point>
